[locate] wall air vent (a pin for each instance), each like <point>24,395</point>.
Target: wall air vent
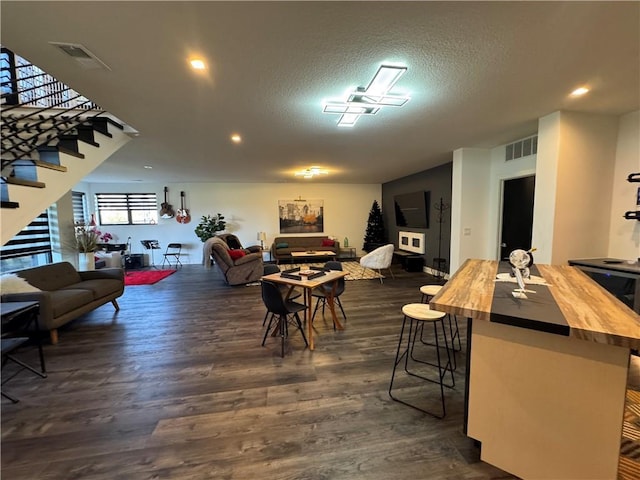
<point>80,54</point>
<point>522,148</point>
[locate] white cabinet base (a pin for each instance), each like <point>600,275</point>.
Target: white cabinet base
<point>544,405</point>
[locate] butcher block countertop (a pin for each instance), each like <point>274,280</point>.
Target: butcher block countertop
<point>568,303</point>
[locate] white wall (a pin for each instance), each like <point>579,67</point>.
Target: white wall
<point>624,235</point>
<point>247,207</point>
<point>470,199</point>
<point>581,191</point>
<point>546,184</point>
<point>584,189</point>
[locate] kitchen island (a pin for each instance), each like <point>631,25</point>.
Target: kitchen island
<point>546,374</point>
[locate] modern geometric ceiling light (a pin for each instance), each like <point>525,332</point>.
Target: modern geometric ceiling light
<point>311,172</point>
<point>369,100</point>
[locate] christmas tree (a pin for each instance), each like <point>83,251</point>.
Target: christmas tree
<point>374,236</point>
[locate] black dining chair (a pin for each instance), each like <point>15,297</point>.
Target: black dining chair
<point>270,268</point>
<point>285,311</point>
<point>323,291</point>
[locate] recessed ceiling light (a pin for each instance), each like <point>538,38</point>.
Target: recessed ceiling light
<point>148,166</point>
<point>197,64</point>
<point>579,91</point>
<point>236,138</point>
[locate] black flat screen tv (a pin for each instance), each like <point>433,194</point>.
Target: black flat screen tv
<point>412,209</point>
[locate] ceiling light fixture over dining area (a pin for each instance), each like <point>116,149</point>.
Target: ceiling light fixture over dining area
<point>369,100</point>
<point>311,172</point>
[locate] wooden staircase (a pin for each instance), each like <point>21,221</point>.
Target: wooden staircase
<point>52,137</point>
<point>32,180</point>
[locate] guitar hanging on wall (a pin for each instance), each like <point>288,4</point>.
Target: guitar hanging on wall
<point>166,210</point>
<point>183,214</point>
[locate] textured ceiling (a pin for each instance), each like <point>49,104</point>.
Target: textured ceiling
<point>479,73</point>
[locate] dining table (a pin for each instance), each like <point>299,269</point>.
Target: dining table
<point>307,284</point>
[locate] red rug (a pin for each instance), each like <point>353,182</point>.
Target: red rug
<point>146,277</point>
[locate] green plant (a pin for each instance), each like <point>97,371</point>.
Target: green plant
<point>209,225</point>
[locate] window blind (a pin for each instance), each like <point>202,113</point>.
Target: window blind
<point>35,238</point>
<point>125,208</point>
<point>79,207</point>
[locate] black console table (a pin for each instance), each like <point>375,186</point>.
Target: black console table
<point>20,326</point>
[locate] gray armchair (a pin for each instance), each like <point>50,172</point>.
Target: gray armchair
<point>246,268</point>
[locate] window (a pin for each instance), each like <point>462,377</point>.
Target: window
<point>79,207</point>
<point>30,247</point>
<point>127,208</point>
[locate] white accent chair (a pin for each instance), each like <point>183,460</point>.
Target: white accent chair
<point>378,259</point>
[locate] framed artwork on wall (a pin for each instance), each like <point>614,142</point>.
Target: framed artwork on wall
<point>301,216</point>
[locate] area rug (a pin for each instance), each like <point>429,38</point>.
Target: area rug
<point>146,277</point>
<point>629,466</point>
<point>354,268</point>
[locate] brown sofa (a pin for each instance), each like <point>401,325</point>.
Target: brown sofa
<point>67,293</point>
<point>282,247</point>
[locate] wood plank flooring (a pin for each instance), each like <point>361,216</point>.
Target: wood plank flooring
<point>177,386</point>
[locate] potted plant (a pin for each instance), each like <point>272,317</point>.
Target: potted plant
<point>209,225</point>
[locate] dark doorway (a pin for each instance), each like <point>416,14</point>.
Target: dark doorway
<point>517,215</point>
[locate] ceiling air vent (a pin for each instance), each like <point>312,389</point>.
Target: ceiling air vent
<point>80,54</point>
<point>522,148</point>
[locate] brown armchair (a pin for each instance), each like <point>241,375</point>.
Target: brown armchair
<point>234,243</point>
<point>246,268</point>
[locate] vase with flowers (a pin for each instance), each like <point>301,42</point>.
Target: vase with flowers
<point>87,239</point>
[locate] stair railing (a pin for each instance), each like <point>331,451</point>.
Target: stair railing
<point>26,87</point>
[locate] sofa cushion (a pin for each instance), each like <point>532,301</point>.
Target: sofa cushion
<point>98,288</point>
<point>66,300</point>
<point>52,276</point>
<point>282,245</point>
<point>327,242</point>
<point>235,254</point>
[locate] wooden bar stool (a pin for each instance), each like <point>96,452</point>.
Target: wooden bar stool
<point>430,291</point>
<point>420,313</point>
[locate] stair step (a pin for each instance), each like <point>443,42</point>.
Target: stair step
<point>4,204</point>
<point>52,153</point>
<point>71,142</point>
<point>85,134</point>
<point>25,183</point>
<point>101,124</point>
<point>50,166</point>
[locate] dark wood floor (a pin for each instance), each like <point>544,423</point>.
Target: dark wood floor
<point>177,386</point>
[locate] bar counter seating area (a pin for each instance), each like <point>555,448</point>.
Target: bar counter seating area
<point>181,387</point>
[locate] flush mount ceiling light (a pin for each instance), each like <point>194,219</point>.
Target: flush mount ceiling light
<point>579,91</point>
<point>311,172</point>
<point>197,64</point>
<point>369,100</point>
<point>236,138</point>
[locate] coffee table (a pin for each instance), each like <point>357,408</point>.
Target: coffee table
<point>313,254</point>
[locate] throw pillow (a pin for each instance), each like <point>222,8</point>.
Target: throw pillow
<point>282,245</point>
<point>12,283</point>
<point>236,254</point>
<point>327,242</point>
